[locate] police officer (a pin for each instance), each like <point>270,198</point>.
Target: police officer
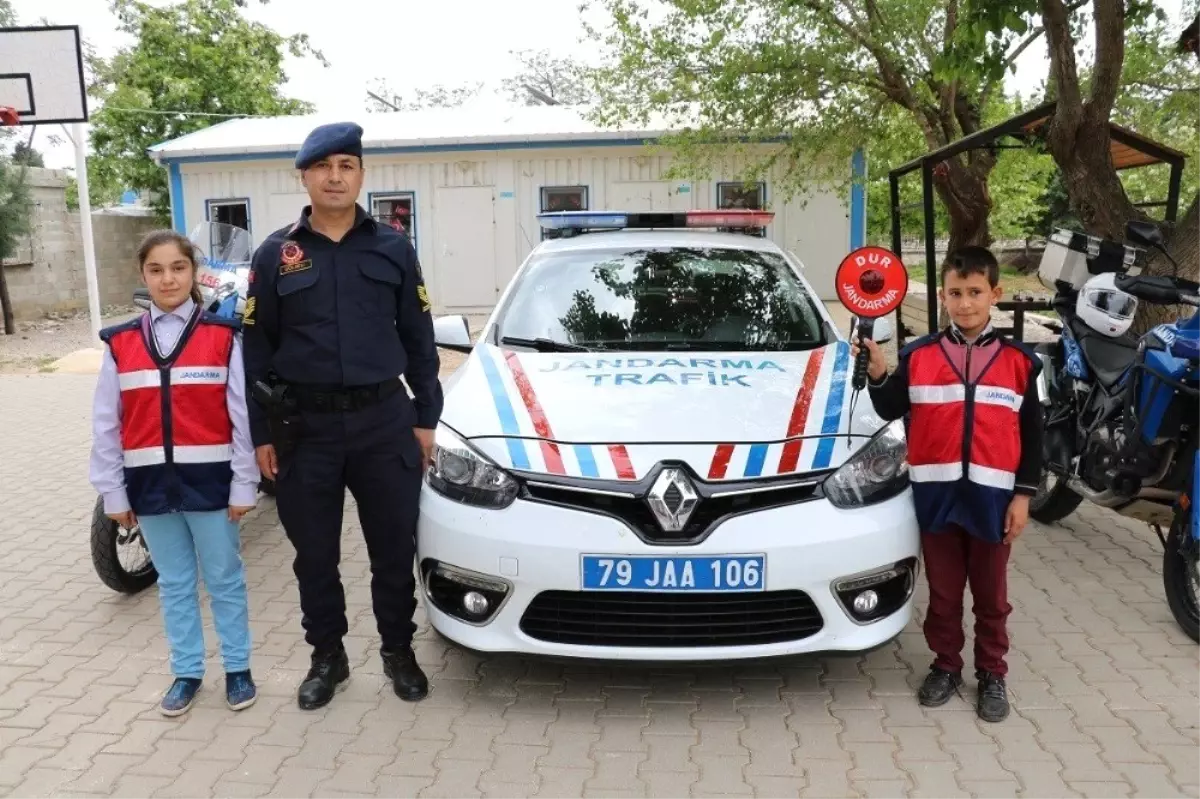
<point>337,310</point>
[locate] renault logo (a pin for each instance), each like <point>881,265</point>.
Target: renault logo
<point>672,499</point>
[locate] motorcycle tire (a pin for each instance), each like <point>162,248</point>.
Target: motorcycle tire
<point>1051,505</point>
<point>106,557</point>
<point>1181,580</point>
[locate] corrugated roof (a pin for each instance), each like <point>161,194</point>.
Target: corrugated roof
<point>472,125</point>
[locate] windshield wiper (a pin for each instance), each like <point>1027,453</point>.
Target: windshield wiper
<point>544,344</point>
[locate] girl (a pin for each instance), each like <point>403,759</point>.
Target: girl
<point>171,451</point>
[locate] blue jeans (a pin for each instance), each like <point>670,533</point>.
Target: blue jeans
<point>176,541</point>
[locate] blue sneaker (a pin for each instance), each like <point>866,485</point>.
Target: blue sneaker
<point>240,692</point>
<point>180,696</point>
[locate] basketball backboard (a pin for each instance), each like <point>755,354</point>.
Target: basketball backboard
<point>41,74</point>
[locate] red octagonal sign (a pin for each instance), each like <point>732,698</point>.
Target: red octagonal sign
<point>871,282</point>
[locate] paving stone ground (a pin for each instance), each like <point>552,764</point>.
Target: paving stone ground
<point>1105,686</point>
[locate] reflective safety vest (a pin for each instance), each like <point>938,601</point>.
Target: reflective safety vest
<point>964,442</point>
<point>176,434</point>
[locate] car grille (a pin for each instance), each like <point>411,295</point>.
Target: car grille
<point>638,619</point>
<point>710,511</point>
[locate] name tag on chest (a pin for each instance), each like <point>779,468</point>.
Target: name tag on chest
<point>287,269</point>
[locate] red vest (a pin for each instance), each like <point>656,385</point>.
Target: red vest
<point>964,441</point>
<point>176,434</point>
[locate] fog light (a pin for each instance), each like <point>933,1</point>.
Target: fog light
<point>866,602</point>
<point>869,597</point>
<point>475,603</point>
<point>469,596</point>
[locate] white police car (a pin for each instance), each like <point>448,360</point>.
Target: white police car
<point>651,453</point>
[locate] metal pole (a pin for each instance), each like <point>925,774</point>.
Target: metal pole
<point>897,245</point>
<point>85,219</point>
<point>1173,192</point>
<point>931,301</point>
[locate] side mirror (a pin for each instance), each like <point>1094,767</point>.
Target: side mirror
<point>883,330</point>
<point>1146,234</point>
<point>452,333</point>
<point>141,298</point>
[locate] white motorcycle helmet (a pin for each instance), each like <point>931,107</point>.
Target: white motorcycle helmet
<point>1105,308</point>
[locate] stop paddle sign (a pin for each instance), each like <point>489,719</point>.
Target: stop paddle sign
<point>871,282</point>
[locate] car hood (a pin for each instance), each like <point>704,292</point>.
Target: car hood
<point>728,416</point>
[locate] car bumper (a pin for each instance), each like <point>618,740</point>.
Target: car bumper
<point>531,548</point>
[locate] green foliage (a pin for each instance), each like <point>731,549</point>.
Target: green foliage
<point>24,154</point>
<point>192,57</point>
<point>16,206</point>
<point>825,75</point>
<point>1160,99</point>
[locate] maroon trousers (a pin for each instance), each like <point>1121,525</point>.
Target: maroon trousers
<point>953,560</point>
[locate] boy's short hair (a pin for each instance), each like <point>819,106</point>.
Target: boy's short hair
<point>973,261</point>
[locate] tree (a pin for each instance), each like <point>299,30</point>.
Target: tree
<point>16,205</point>
<point>24,154</point>
<point>818,75</point>
<point>1078,135</point>
<point>562,80</point>
<point>194,63</point>
<point>437,96</point>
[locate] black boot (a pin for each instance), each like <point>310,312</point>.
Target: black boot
<point>408,681</point>
<point>992,704</point>
<point>938,687</point>
<point>330,670</point>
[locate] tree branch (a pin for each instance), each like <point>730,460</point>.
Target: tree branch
<point>1063,70</point>
<point>1110,56</point>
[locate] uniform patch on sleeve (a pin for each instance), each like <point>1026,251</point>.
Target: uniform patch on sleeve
<point>287,269</point>
<point>248,314</point>
<point>423,296</point>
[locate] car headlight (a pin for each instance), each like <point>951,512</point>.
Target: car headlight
<point>461,473</point>
<point>876,472</point>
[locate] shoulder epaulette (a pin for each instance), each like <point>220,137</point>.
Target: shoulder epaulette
<point>917,344</point>
<point>107,333</point>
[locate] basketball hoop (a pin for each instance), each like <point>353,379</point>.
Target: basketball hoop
<point>9,116</point>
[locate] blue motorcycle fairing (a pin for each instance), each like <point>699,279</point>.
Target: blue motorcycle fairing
<point>1076,365</point>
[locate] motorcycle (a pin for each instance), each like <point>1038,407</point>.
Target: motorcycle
<point>1121,410</point>
<point>223,253</point>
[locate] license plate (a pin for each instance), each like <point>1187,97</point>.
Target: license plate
<point>652,573</point>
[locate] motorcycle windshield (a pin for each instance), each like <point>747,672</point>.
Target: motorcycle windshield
<point>223,254</point>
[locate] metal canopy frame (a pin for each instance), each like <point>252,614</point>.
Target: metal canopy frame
<point>1129,150</point>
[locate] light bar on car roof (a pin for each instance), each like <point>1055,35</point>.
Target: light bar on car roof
<point>580,221</point>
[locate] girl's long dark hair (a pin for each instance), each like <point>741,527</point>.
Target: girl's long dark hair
<point>156,238</point>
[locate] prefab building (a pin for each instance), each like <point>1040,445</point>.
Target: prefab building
<point>467,187</point>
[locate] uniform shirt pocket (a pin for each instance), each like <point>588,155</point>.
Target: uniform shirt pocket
<point>375,293</point>
<point>295,289</point>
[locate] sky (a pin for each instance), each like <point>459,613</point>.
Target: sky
<point>415,43</point>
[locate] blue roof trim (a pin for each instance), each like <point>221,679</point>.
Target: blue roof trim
<point>422,148</point>
<point>178,220</point>
<point>858,200</point>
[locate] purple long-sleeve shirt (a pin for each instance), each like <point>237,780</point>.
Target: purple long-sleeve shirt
<point>107,463</point>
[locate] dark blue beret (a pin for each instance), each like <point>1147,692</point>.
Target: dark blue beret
<point>339,138</point>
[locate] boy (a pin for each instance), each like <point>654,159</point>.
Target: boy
<point>974,452</point>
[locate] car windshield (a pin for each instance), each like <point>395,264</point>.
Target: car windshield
<point>663,298</point>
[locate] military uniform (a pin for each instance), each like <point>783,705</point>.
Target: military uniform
<point>332,325</point>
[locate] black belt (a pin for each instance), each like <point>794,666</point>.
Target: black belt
<point>329,400</point>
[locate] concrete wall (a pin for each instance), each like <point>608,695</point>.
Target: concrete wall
<point>46,275</point>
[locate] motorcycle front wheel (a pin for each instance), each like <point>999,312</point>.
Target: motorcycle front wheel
<point>1181,574</point>
<point>120,557</point>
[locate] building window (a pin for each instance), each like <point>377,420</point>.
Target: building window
<point>398,209</point>
<point>235,213</point>
<point>743,195</point>
<point>562,198</point>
